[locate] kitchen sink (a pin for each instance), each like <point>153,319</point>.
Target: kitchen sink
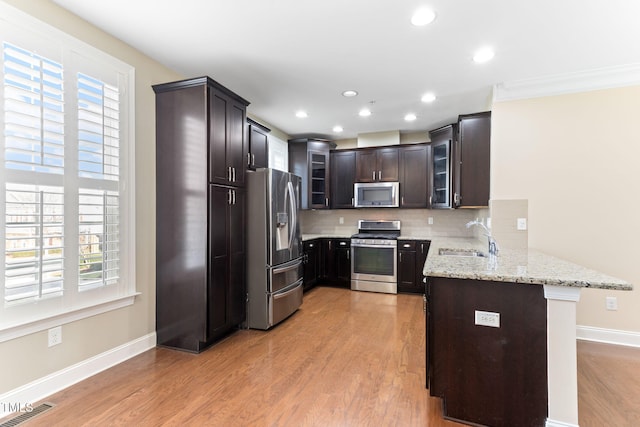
<point>461,252</point>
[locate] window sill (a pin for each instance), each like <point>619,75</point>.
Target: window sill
<point>12,332</point>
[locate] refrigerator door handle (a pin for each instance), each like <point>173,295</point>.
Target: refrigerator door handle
<point>294,218</point>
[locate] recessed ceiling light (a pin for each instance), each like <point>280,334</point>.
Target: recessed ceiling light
<point>428,97</point>
<point>301,114</point>
<point>423,17</point>
<point>483,55</point>
<point>349,93</point>
<point>338,129</point>
<point>410,117</point>
<point>365,112</point>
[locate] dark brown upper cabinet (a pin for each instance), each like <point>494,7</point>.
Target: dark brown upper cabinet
<point>460,163</point>
<point>473,159</point>
<point>343,175</point>
<point>258,154</point>
<point>377,165</point>
<point>441,186</point>
<point>414,167</point>
<point>309,158</point>
<point>227,137</point>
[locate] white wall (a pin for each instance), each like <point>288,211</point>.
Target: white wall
<point>28,358</point>
<point>575,159</point>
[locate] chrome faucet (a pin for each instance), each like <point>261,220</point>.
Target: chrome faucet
<point>493,245</point>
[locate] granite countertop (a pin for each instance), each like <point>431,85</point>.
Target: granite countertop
<point>306,237</point>
<point>518,266</point>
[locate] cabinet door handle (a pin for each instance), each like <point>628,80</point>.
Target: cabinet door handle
<point>234,174</point>
<point>248,159</point>
<point>234,196</point>
<point>400,256</point>
<point>374,175</point>
<point>326,201</point>
<point>229,173</point>
<point>229,199</point>
<point>422,247</point>
<point>380,176</point>
<point>253,159</point>
<point>430,201</point>
<point>353,202</point>
<point>343,243</point>
<point>348,256</point>
<point>407,245</point>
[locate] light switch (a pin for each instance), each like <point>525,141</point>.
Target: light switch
<point>522,223</point>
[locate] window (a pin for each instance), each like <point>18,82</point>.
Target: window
<point>66,167</point>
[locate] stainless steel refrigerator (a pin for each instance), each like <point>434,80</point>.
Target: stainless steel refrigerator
<point>274,247</point>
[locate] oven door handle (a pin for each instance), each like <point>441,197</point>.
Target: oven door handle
<point>371,245</point>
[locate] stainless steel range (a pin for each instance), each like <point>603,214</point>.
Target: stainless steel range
<point>374,253</point>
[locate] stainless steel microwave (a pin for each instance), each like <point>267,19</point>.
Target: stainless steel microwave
<point>376,194</point>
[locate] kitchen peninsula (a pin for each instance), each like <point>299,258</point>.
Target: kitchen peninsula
<point>501,333</point>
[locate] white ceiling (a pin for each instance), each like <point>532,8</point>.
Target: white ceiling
<point>286,55</point>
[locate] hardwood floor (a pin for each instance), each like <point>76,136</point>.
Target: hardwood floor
<point>344,359</point>
<point>608,385</point>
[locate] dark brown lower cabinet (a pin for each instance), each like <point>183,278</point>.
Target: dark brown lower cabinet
<point>327,262</point>
<point>412,255</point>
<point>312,260</point>
<point>337,258</point>
<point>196,306</point>
<point>493,376</point>
<point>226,293</point>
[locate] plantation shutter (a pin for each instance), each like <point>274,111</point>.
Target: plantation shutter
<point>34,149</point>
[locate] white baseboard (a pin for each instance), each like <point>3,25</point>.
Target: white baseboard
<point>52,383</point>
<point>608,336</point>
<point>554,423</point>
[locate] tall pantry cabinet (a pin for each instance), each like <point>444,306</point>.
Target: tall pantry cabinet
<point>201,151</point>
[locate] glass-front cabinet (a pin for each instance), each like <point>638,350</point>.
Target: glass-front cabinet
<point>441,179</point>
<point>309,158</point>
<point>441,188</point>
<point>318,168</point>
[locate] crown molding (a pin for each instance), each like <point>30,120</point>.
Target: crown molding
<point>581,81</point>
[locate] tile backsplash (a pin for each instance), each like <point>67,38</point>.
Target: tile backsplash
<point>414,222</point>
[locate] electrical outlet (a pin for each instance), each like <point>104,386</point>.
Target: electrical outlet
<point>488,318</point>
<point>612,303</point>
<point>55,336</point>
<point>430,220</point>
<point>522,223</point>
<point>488,222</point>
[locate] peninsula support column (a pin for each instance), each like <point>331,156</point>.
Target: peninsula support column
<point>562,366</point>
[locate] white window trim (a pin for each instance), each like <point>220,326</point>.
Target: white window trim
<point>16,17</point>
